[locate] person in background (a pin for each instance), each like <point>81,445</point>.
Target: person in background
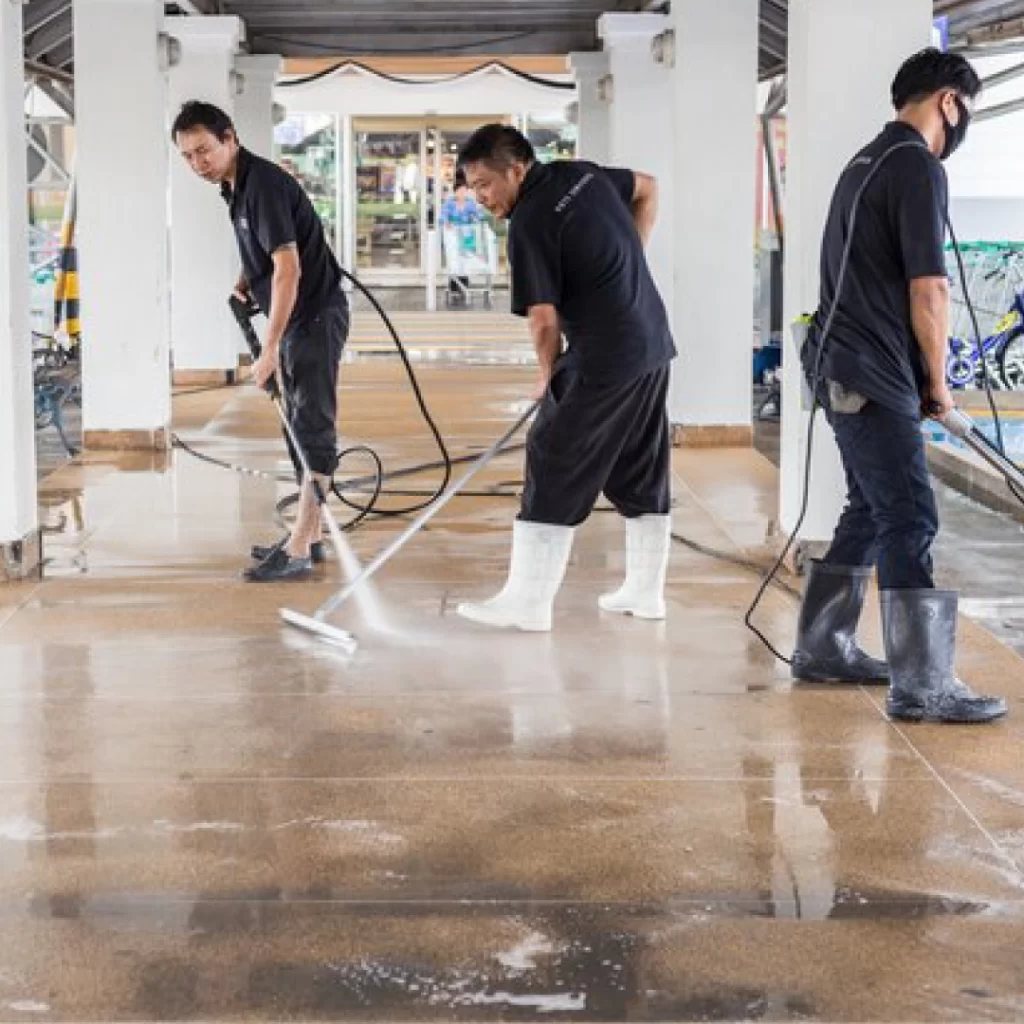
<point>460,210</point>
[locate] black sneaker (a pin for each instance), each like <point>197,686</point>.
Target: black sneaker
<point>280,566</point>
<point>261,552</point>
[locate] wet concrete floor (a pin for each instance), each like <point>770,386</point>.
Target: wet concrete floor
<point>207,816</point>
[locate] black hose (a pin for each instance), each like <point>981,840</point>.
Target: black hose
<point>378,478</point>
<point>446,461</point>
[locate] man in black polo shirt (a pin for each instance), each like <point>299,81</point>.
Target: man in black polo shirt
<point>291,272</point>
<point>578,269</point>
<point>883,364</point>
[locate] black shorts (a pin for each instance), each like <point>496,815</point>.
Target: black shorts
<point>310,355</point>
<point>593,436</point>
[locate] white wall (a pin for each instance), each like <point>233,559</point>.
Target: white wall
<point>986,176</point>
<point>484,93</point>
<point>204,252</point>
<point>640,121</point>
<point>715,174</point>
<point>17,437</point>
<point>122,167</point>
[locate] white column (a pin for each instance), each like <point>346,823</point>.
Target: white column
<point>641,122</point>
<point>19,547</point>
<point>715,184</point>
<point>204,253</point>
<point>122,167</point>
<point>255,78</point>
<point>347,213</point>
<point>829,71</point>
<point>254,103</point>
<point>593,131</point>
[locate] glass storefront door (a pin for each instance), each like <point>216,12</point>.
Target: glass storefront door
<point>389,183</point>
<point>402,170</point>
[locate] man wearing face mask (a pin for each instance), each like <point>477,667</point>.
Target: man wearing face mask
<point>883,366</point>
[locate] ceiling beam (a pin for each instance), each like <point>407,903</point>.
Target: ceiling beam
<point>397,25</point>
<point>61,56</point>
<point>40,13</point>
<point>55,34</point>
<point>384,44</point>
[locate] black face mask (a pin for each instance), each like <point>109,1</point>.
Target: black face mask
<point>955,134</point>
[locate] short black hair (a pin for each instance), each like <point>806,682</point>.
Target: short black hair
<point>931,71</point>
<point>499,145</point>
<point>197,114</point>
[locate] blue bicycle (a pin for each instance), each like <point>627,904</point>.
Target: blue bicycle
<point>1001,356</point>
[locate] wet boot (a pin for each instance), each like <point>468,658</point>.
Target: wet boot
<point>540,554</point>
<point>261,552</point>
<point>826,641</point>
<point>919,627</point>
<point>648,540</point>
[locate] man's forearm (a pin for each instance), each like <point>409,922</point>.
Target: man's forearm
<point>645,214</point>
<point>931,329</point>
<point>284,291</point>
<point>547,343</point>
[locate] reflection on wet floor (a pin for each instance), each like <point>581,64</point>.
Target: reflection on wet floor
<point>205,816</point>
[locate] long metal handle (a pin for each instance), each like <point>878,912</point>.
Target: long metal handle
<point>960,425</point>
<point>422,519</point>
<point>244,312</point>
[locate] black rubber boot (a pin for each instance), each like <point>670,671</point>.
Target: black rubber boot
<point>919,627</point>
<point>826,640</point>
<point>261,552</point>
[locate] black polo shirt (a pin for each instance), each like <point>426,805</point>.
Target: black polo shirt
<point>270,209</point>
<point>573,245</point>
<point>900,236</point>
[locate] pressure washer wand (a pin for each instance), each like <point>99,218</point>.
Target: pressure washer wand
<point>961,426</point>
<point>423,518</point>
<point>244,312</point>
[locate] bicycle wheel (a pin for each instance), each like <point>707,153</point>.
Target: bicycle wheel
<point>1011,361</point>
<point>960,371</point>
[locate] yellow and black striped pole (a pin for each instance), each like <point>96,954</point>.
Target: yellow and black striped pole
<point>66,312</point>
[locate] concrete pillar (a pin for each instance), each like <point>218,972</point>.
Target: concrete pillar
<point>254,104</point>
<point>641,122</point>
<point>715,183</point>
<point>255,78</point>
<point>122,169</point>
<point>843,56</point>
<point>204,252</point>
<point>347,180</point>
<point>19,534</point>
<point>593,142</point>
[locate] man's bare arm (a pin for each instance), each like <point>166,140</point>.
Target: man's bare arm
<point>546,334</point>
<point>929,309</point>
<point>284,292</point>
<point>645,204</point>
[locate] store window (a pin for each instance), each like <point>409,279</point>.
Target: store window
<point>552,135</point>
<point>306,145</point>
<point>389,191</point>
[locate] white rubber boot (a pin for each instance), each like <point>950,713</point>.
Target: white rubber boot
<point>648,541</point>
<point>540,553</point>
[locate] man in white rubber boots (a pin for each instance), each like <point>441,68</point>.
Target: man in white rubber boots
<point>576,238</point>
